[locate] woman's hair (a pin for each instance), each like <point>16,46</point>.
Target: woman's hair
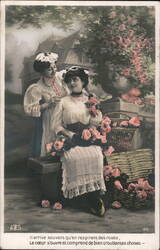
<point>44,60</point>
<point>76,71</point>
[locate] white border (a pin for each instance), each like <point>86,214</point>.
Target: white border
<point>21,240</point>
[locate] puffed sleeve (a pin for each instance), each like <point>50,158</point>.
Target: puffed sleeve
<point>57,124</point>
<point>32,98</point>
<point>95,121</point>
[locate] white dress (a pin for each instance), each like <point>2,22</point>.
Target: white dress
<point>38,92</point>
<point>82,166</point>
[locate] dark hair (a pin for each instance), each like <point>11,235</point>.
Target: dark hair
<point>76,71</point>
<point>40,66</point>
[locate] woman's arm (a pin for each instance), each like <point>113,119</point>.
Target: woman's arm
<point>57,124</point>
<point>32,98</point>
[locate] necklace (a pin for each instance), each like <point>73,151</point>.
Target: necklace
<point>76,94</point>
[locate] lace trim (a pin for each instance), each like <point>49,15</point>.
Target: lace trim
<point>82,186</point>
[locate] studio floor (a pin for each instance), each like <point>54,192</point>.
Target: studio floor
<point>23,214</point>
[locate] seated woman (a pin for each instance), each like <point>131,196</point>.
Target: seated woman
<point>82,165</point>
<point>40,100</point>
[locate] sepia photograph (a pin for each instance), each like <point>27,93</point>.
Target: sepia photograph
<point>80,125</point>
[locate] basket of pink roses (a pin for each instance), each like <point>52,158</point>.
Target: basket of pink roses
<point>122,130</point>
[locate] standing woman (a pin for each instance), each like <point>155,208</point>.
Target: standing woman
<point>82,165</point>
<point>41,98</point>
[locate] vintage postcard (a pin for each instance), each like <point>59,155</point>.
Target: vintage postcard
<point>79,123</point>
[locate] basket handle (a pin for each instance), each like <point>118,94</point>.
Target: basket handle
<point>119,113</point>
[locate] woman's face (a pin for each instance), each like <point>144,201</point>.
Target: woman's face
<point>76,84</point>
<point>50,72</point>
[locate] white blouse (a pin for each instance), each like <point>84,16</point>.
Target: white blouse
<point>45,92</point>
<point>71,110</point>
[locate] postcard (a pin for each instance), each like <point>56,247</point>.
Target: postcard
<point>79,125</point>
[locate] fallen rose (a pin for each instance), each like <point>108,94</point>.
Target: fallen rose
<point>57,206</point>
<point>45,203</point>
<point>116,204</point>
<point>86,135</point>
<point>135,121</point>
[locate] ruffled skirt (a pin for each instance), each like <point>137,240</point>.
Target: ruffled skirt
<point>82,171</point>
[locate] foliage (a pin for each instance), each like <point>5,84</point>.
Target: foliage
<point>120,43</point>
<point>119,40</point>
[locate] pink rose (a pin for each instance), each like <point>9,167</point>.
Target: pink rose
<point>125,97</point>
<point>126,72</point>
<point>58,145</point>
<point>115,124</point>
<point>122,27</point>
<point>124,124</point>
<point>134,92</point>
<point>131,187</point>
<point>135,121</point>
<point>118,185</point>
<point>45,203</point>
<point>139,101</point>
<point>86,135</point>
<point>116,204</point>
<point>113,14</point>
<point>49,146</point>
<point>109,151</point>
<point>105,129</point>
<point>116,172</point>
<point>57,206</point>
<point>107,170</point>
<point>103,139</point>
<point>106,120</point>
<point>142,195</point>
<point>95,133</point>
<point>144,184</point>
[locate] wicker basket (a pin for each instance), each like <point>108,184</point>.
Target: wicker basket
<point>120,137</point>
<point>136,164</point>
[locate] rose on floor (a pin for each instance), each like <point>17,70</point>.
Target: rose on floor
<point>45,204</point>
<point>57,206</point>
<point>116,204</point>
